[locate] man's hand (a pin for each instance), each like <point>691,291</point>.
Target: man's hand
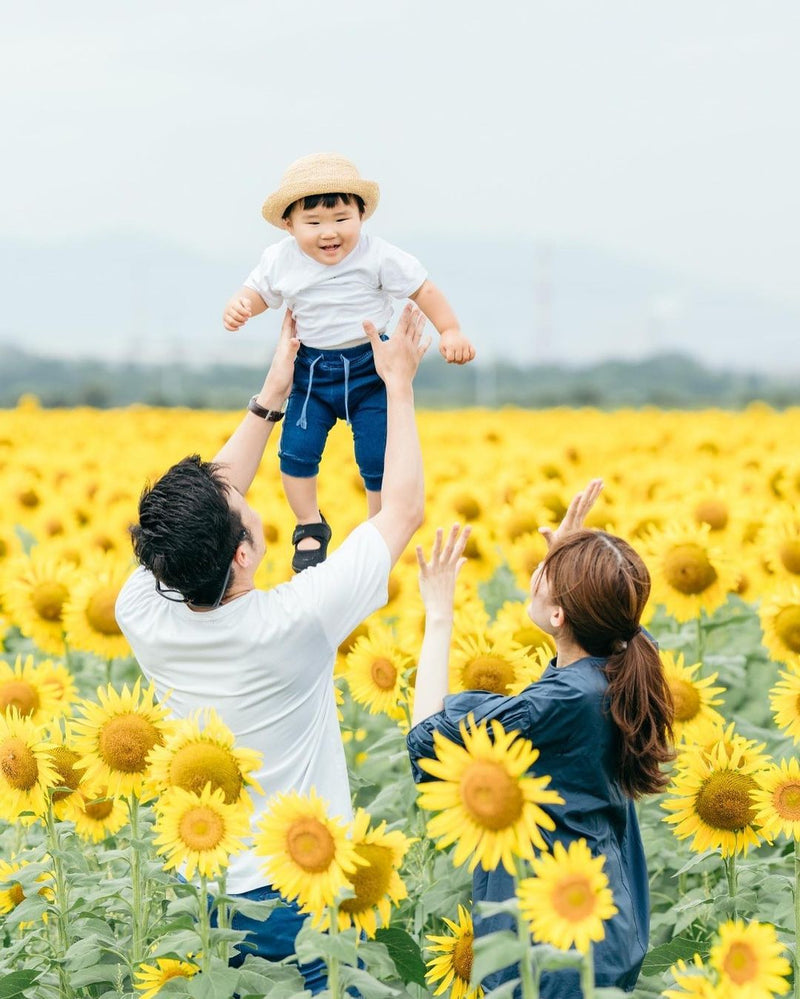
<point>455,348</point>
<point>278,383</point>
<point>397,359</point>
<point>576,513</point>
<point>236,313</point>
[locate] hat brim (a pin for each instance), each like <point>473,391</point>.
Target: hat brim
<point>277,203</point>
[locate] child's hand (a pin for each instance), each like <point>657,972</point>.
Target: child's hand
<point>455,348</point>
<point>236,313</point>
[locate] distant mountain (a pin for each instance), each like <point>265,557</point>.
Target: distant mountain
<point>136,297</point>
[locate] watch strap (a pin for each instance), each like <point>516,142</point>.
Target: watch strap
<point>270,415</point>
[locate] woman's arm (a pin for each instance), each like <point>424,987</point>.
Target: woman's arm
<point>437,583</point>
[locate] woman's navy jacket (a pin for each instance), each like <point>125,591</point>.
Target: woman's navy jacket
<point>565,716</point>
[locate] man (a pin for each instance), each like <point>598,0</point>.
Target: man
<point>264,659</point>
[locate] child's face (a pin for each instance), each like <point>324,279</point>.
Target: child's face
<point>326,235</point>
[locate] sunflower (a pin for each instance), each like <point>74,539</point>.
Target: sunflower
<point>479,662</point>
<point>88,614</point>
<point>308,854</point>
<point>200,751</point>
<point>784,698</point>
<point>568,900</point>
<point>64,760</point>
<point>26,773</point>
<point>152,977</point>
<point>691,573</point>
<point>514,625</point>
<point>13,894</point>
<point>35,589</point>
<point>535,663</point>
<point>25,688</point>
<point>749,960</point>
<point>375,672</point>
<point>693,697</point>
<point>57,677</point>
<point>376,883</point>
<point>199,830</point>
<point>780,621</point>
<point>710,797</point>
<point>488,806</point>
<point>115,737</point>
<point>777,800</point>
<point>453,967</point>
<point>96,817</point>
<point>780,540</point>
<point>692,980</point>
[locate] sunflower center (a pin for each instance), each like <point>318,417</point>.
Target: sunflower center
<point>370,882</point>
<point>467,506</point>
<point>712,512</point>
<point>462,957</point>
<point>125,741</point>
<point>201,828</point>
<point>63,761</point>
<point>685,698</point>
<point>741,963</point>
<point>490,795</point>
<point>789,554</point>
<point>99,810</point>
<point>687,569</point>
<point>48,599</point>
<point>383,673</point>
<point>488,673</point>
<point>16,894</point>
<point>787,802</point>
<point>100,612</point>
<point>199,763</point>
<point>310,845</point>
<point>522,523</point>
<point>787,627</point>
<point>18,764</point>
<point>19,694</point>
<point>723,802</point>
<point>573,898</point>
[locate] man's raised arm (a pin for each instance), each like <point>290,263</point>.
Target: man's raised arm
<point>241,454</point>
<point>403,492</point>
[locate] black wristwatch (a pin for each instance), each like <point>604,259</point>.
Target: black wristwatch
<point>271,415</point>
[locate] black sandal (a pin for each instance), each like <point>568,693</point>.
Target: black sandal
<point>305,558</point>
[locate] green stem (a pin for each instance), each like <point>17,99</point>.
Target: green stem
<point>529,979</point>
<point>333,962</point>
<point>137,907</point>
<point>730,870</point>
<point>796,919</point>
<point>587,974</point>
<point>204,920</point>
<point>223,915</point>
<point>109,663</point>
<point>701,638</point>
<point>61,904</point>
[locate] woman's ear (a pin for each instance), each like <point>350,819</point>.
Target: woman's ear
<point>557,618</point>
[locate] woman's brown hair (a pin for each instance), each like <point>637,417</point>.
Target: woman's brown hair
<point>602,584</point>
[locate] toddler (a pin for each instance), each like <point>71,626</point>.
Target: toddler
<point>334,277</point>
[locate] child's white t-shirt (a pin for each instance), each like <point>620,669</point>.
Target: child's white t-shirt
<point>331,301</point>
<point>265,662</point>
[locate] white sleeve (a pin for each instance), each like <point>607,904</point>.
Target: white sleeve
<point>349,586</point>
<point>261,278</point>
<point>400,274</point>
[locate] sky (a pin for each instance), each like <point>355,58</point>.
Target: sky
<point>663,131</point>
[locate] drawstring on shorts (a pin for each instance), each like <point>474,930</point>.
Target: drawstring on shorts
<point>302,422</point>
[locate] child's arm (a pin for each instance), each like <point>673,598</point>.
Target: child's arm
<point>454,347</point>
<point>244,304</point>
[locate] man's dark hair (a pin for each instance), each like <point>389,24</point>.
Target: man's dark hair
<point>327,200</point>
<point>187,533</point>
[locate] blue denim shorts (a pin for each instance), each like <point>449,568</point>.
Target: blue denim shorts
<point>331,385</point>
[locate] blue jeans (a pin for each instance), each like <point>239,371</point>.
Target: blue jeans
<point>331,385</point>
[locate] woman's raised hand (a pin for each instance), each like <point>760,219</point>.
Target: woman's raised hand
<point>437,577</point>
<point>576,513</point>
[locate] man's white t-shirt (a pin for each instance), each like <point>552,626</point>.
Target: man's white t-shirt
<point>265,662</point>
<point>331,301</point>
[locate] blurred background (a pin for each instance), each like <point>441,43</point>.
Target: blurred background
<point>606,192</point>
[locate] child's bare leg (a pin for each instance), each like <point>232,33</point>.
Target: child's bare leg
<point>302,497</point>
<point>373,502</point>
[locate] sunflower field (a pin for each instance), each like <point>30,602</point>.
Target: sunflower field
<point>104,797</point>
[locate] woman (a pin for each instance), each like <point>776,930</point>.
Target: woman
<point>600,716</point>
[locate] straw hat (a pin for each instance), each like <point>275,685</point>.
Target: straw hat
<point>320,173</point>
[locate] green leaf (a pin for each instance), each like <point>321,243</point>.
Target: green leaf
<point>695,861</point>
<point>17,984</point>
<point>260,977</point>
<point>494,952</point>
<point>504,991</point>
<point>219,983</point>
<point>367,986</point>
<point>97,973</point>
<point>404,951</point>
<point>311,944</point>
<point>662,958</point>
